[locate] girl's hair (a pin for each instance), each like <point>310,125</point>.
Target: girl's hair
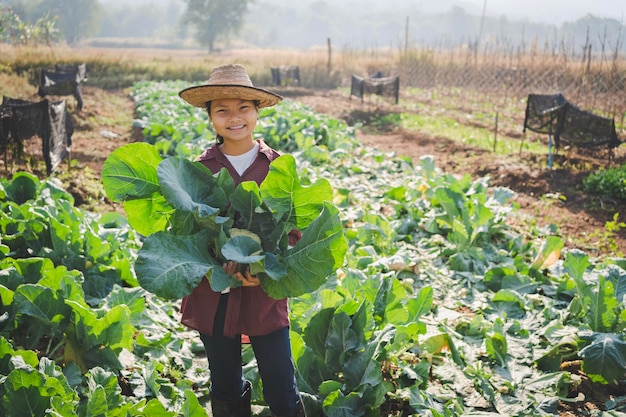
<point>219,138</point>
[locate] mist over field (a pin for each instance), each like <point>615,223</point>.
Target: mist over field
<point>550,11</point>
<point>389,23</point>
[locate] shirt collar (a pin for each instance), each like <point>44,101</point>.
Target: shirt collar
<point>214,152</point>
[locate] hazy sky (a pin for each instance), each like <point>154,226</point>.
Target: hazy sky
<point>544,11</point>
<point>551,11</point>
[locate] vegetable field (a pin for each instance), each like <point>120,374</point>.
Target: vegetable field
<point>441,308</point>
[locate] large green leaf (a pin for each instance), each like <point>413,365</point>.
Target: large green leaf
<point>94,340</point>
<point>576,263</point>
<point>312,367</point>
<point>598,302</point>
<point>247,200</point>
<point>603,304</point>
<point>243,250</point>
<point>23,187</point>
<point>41,303</point>
<point>341,340</point>
<point>7,355</point>
<point>420,304</point>
<point>317,330</point>
<point>290,201</point>
<point>605,356</point>
<point>171,266</point>
<point>131,171</point>
<point>190,186</point>
<point>148,215</point>
<point>30,391</point>
<point>191,406</point>
<point>46,308</point>
<point>255,216</point>
<point>617,276</point>
<point>365,367</point>
<point>26,394</point>
<point>336,404</point>
<point>317,255</point>
<point>104,386</point>
<point>550,249</point>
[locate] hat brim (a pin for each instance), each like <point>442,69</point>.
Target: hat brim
<point>199,95</point>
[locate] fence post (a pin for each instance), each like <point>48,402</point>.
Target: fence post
<point>406,36</point>
<point>328,65</point>
<point>495,133</point>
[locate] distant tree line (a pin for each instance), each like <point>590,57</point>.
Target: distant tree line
<point>208,20</point>
<point>73,19</point>
<point>272,23</point>
<point>360,25</point>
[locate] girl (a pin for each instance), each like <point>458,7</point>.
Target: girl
<point>232,103</point>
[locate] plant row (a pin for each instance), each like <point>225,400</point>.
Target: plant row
<point>441,307</point>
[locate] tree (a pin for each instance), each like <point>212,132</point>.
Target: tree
<point>16,31</point>
<point>76,19</point>
<point>215,19</point>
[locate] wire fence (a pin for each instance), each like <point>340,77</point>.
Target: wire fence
<point>596,83</point>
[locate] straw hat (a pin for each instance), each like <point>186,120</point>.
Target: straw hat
<point>228,81</point>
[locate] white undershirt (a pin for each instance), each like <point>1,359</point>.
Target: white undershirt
<point>243,161</point>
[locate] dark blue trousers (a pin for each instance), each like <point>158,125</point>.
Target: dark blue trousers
<point>274,360</point>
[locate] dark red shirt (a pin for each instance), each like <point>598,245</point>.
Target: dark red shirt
<point>250,310</point>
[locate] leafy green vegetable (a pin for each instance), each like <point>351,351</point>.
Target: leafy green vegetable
<point>604,357</point>
<point>193,230</point>
<point>440,309</point>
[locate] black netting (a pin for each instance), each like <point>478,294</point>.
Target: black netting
<point>554,115</point>
<point>62,129</point>
<point>7,126</point>
<point>63,81</point>
<point>542,112</point>
<point>382,86</point>
<point>22,119</point>
<point>80,71</point>
<point>585,129</point>
<point>285,74</point>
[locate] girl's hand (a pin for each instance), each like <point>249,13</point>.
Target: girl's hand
<point>246,279</point>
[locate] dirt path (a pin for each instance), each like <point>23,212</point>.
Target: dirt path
<point>548,196</point>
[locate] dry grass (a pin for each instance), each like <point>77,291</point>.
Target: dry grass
<point>13,85</point>
<point>592,82</point>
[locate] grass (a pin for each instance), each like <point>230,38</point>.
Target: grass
<point>477,137</point>
<point>13,85</point>
<point>475,128</point>
<point>603,240</point>
<point>112,68</point>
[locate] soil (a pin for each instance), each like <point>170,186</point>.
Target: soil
<point>548,198</point>
<point>545,197</point>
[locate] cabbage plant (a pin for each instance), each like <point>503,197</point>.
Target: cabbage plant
<point>194,221</point>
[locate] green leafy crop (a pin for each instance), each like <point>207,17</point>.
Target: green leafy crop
<point>195,221</point>
<point>610,182</point>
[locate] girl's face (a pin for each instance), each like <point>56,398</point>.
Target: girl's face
<point>234,119</point>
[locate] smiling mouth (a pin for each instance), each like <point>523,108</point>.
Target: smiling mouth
<point>238,127</point>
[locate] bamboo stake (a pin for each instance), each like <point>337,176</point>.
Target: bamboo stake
<point>495,133</point>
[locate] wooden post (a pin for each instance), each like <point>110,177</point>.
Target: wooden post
<point>495,134</point>
<point>406,36</point>
<point>329,65</point>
